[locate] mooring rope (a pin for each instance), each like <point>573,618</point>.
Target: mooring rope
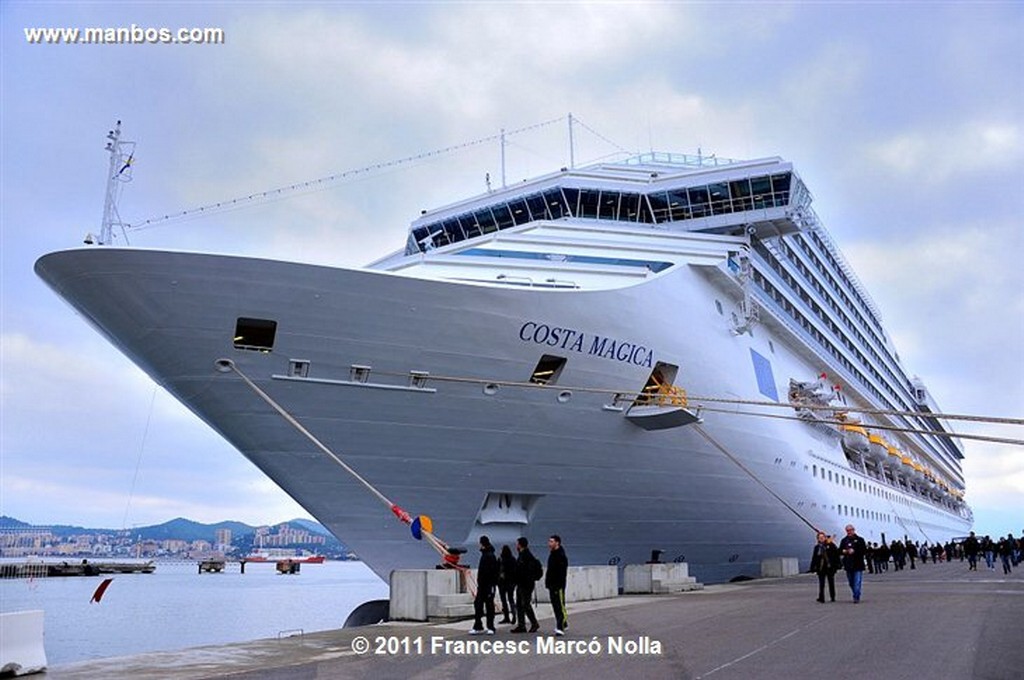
<point>725,452</point>
<point>226,366</point>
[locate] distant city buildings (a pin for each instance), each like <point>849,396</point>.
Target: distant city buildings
<point>45,542</point>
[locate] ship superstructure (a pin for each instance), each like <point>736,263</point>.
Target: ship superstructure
<point>665,353</point>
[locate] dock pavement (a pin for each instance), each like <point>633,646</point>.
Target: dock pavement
<point>936,621</point>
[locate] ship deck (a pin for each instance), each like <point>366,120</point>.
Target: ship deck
<point>935,621</point>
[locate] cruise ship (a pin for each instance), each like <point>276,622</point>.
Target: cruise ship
<point>667,353</point>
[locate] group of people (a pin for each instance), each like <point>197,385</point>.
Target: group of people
<point>827,558</point>
<point>514,578</point>
<point>1010,551</point>
<point>855,555</point>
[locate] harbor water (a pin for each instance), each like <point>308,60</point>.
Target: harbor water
<point>176,607</point>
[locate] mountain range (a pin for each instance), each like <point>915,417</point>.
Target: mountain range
<point>179,528</point>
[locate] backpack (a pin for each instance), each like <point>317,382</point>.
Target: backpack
<point>537,570</point>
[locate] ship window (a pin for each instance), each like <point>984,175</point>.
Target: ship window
<point>538,207</point>
<point>485,221</point>
<point>720,198</point>
<point>298,368</point>
<point>547,370</point>
<point>520,213</point>
<point>699,201</point>
<point>572,198</point>
<point>556,204</point>
<point>589,200</point>
<point>453,231</point>
<point>740,194</point>
<point>632,209</point>
<point>255,334</point>
<point>765,377</point>
<point>503,216</point>
<point>469,225</point>
<point>659,206</point>
<point>761,188</point>
<point>609,208</point>
<point>780,187</point>
<point>679,204</point>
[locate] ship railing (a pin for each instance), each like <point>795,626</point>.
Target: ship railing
<point>662,395</point>
<point>680,159</point>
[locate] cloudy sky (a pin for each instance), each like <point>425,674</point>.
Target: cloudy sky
<point>905,120</point>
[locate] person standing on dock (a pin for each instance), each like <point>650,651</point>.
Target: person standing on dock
<point>554,580</point>
<point>527,567</point>
<point>507,585</point>
<point>971,548</point>
<point>852,548</point>
<point>486,582</point>
<point>825,563</point>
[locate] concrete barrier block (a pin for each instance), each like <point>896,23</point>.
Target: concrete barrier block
<point>591,583</point>
<point>779,567</point>
<point>408,595</point>
<point>415,593</point>
<point>21,643</point>
<point>658,578</point>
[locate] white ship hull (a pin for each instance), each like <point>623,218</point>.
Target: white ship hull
<point>564,457</point>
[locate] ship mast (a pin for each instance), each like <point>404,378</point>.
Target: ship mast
<point>121,155</point>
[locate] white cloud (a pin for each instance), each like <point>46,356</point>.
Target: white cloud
<point>942,154</point>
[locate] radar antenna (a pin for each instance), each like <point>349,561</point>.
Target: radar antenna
<point>122,155</point>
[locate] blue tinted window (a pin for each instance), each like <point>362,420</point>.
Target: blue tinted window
<point>764,375</point>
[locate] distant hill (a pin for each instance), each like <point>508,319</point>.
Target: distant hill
<point>179,528</point>
<point>310,525</point>
<point>187,530</point>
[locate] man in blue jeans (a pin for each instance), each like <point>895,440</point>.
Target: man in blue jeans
<point>852,549</point>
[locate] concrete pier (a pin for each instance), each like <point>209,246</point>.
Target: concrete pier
<point>937,621</point>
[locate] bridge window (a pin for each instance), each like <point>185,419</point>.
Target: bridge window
<point>719,194</point>
<point>485,221</point>
<point>520,213</point>
<point>609,209</point>
<point>572,200</point>
<point>502,216</point>
<point>761,189</point>
<point>679,203</point>
<point>589,200</point>
<point>699,202</point>
<point>538,207</point>
<point>740,190</point>
<point>780,187</point>
<point>557,204</point>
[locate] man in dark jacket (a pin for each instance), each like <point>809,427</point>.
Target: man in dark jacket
<point>852,548</point>
<point>526,566</point>
<point>971,548</point>
<point>825,563</point>
<point>486,582</point>
<point>554,581</point>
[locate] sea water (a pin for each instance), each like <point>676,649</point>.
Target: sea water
<point>176,607</point>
